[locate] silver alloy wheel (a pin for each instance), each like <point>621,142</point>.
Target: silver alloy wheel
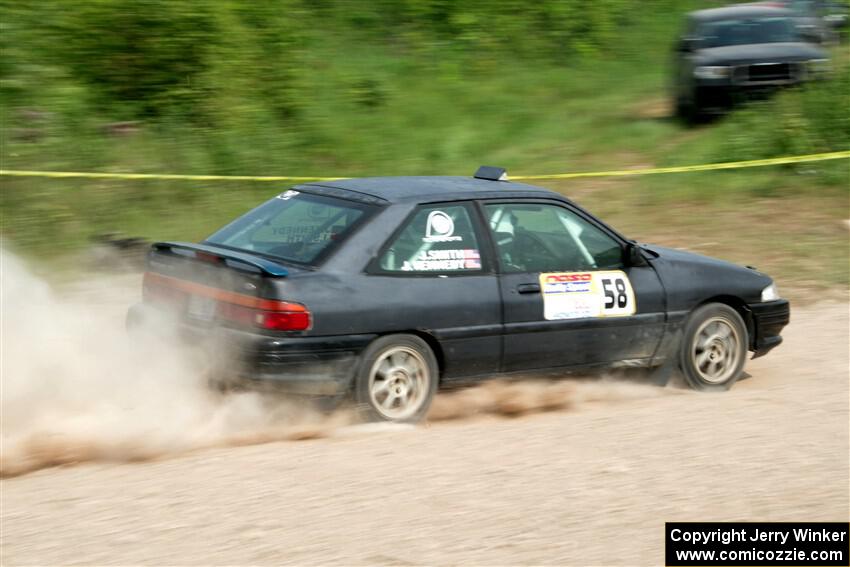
<point>716,350</point>
<point>398,383</point>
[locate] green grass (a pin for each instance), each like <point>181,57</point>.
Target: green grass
<point>373,110</point>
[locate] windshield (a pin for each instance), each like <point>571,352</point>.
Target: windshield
<point>747,31</point>
<point>294,226</point>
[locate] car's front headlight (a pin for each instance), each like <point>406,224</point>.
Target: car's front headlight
<point>818,66</point>
<point>770,293</point>
<point>712,72</point>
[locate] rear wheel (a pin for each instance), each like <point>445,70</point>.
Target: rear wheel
<point>397,379</point>
<point>714,348</point>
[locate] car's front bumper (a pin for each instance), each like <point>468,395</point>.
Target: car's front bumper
<point>768,318</point>
<point>308,365</point>
<point>723,96</point>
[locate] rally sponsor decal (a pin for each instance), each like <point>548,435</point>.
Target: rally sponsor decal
<point>444,261</point>
<point>440,228</point>
<point>577,295</point>
<point>287,195</point>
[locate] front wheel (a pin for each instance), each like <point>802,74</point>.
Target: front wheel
<point>397,379</point>
<point>683,110</point>
<point>714,348</point>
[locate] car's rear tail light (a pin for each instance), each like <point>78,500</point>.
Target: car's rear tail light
<point>240,309</point>
<point>284,316</point>
<point>283,320</point>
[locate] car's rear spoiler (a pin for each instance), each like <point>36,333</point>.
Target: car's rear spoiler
<point>267,267</point>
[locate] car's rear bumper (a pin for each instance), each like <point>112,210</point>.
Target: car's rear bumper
<point>309,365</point>
<point>769,319</point>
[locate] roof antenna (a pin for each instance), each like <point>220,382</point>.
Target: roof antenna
<point>491,173</point>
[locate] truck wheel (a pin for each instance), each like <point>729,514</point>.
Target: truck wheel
<point>714,348</point>
<point>683,110</point>
<point>397,379</point>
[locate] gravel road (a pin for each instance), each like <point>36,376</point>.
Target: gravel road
<point>590,484</point>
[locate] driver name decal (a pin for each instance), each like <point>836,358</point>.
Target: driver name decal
<point>444,260</point>
<point>578,295</point>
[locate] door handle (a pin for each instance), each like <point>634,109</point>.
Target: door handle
<point>528,288</point>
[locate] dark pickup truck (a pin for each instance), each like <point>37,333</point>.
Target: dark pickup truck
<point>735,53</point>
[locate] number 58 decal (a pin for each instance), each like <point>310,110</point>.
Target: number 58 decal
<point>618,294</point>
<point>578,295</point>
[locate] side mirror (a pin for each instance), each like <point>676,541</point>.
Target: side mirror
<point>633,255</point>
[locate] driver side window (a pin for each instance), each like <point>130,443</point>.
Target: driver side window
<point>532,237</point>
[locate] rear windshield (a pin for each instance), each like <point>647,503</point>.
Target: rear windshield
<point>746,31</point>
<point>294,226</point>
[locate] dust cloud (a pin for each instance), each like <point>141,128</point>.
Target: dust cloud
<point>519,397</point>
<point>75,387</point>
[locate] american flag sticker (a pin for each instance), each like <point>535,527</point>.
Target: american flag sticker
<point>472,259</point>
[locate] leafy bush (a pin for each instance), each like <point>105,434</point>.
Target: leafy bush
<point>811,119</point>
<point>146,54</point>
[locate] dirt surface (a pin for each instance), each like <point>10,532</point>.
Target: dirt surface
<point>589,483</point>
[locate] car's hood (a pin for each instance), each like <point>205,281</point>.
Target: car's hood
<point>759,53</point>
<point>700,275</point>
<point>677,255</point>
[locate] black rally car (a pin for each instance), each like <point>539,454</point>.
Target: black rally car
<point>387,288</point>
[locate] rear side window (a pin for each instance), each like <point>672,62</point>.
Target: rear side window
<point>294,226</point>
<point>437,239</point>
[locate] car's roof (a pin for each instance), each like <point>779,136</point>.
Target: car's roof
<point>432,188</point>
<point>739,11</point>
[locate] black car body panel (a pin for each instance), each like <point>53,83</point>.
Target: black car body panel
<point>481,321</point>
<point>424,189</point>
<point>769,319</point>
<point>691,279</point>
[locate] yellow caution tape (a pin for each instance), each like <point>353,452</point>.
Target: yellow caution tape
<point>96,175</point>
<point>650,171</point>
<point>686,168</point>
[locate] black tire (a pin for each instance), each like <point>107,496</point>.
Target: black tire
<point>683,110</point>
<point>406,369</point>
<point>713,350</point>
<point>688,109</point>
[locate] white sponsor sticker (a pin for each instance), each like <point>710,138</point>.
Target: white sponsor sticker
<point>287,195</point>
<point>440,228</point>
<point>577,295</point>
